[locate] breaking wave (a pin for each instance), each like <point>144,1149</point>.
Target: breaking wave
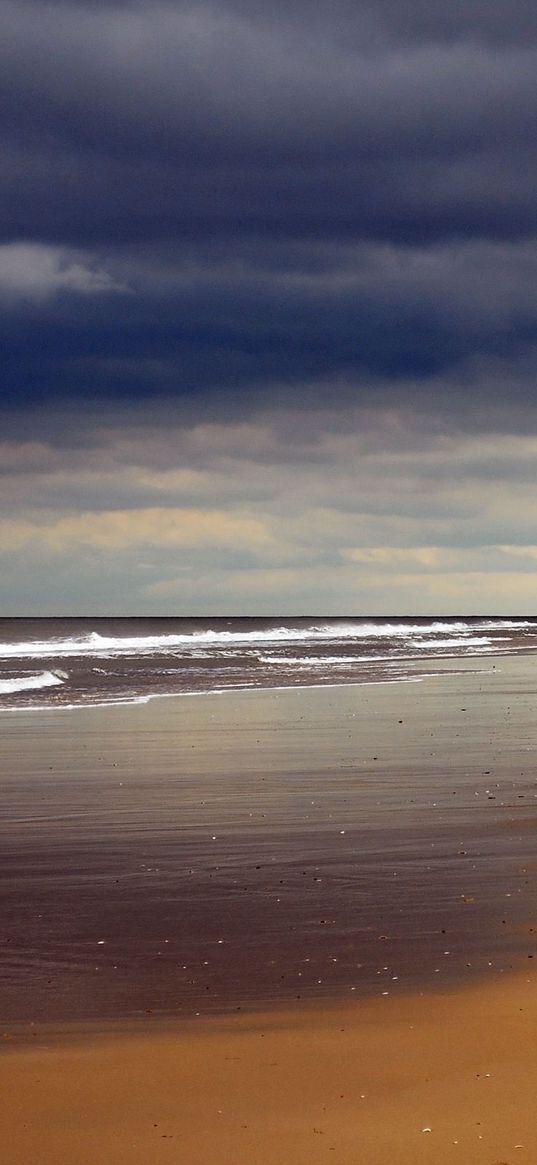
<point>102,646</point>
<point>119,660</point>
<point>44,679</point>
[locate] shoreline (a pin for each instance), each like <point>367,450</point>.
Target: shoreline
<point>135,701</point>
<point>149,1023</point>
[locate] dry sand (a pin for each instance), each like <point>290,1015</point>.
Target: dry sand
<point>390,1081</point>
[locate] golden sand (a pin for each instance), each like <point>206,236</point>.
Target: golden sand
<point>393,1080</point>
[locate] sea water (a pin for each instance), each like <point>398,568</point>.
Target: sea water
<point>53,663</point>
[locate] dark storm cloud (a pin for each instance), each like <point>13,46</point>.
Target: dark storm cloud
<point>228,325</point>
<point>173,120</point>
<point>239,202</point>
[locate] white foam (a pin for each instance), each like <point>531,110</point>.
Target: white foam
<point>45,679</point>
<point>102,646</point>
<point>319,660</point>
<point>133,701</point>
<point>460,641</point>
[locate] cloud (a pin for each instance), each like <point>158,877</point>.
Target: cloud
<point>118,531</point>
<point>291,197</point>
<point>357,515</point>
<point>35,271</point>
<point>267,307</point>
<point>233,330</point>
<point>205,121</point>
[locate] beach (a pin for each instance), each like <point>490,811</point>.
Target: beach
<point>200,893</point>
<point>447,1078</point>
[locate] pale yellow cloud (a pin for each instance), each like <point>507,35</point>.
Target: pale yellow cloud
<point>347,520</point>
<point>397,558</point>
<point>374,592</point>
<point>490,592</point>
<point>123,529</point>
<point>415,562</point>
<point>519,551</point>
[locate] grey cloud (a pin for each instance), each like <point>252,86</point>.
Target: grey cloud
<point>230,330</point>
<point>255,518</point>
<point>136,122</point>
<point>34,271</point>
<point>342,460</point>
<point>418,20</point>
<point>198,79</point>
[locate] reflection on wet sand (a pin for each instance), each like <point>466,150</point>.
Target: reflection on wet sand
<point>205,854</point>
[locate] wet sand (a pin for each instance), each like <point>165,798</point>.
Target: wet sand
<point>203,854</point>
<point>274,926</point>
<point>432,1078</point>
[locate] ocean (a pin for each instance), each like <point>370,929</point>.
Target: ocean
<point>76,662</point>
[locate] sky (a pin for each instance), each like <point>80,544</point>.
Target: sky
<point>268,317</point>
